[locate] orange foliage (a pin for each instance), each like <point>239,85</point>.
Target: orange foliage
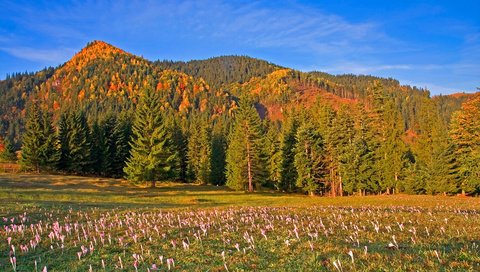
<point>56,105</point>
<point>81,95</point>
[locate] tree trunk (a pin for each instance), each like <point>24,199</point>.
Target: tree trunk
<point>340,189</point>
<point>332,180</point>
<point>153,184</point>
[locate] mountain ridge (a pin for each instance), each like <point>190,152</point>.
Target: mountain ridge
<point>103,72</point>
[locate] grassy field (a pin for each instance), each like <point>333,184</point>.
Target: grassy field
<point>68,223</point>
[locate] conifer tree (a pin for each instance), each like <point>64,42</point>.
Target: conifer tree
<point>245,166</point>
<point>153,155</point>
<point>309,159</point>
<point>200,150</point>
<point>391,152</point>
<point>97,149</point>
<point>75,145</point>
<point>7,154</point>
<point>273,154</point>
<point>288,173</point>
<point>123,133</point>
<point>218,158</point>
<point>465,133</point>
<point>39,149</point>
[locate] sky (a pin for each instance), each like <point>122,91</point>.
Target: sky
<point>428,44</point>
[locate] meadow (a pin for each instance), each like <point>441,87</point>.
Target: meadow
<point>69,223</point>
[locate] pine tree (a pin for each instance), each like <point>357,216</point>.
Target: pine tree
<point>433,163</point>
<point>309,159</point>
<point>97,149</point>
<point>109,149</point>
<point>153,155</point>
<point>288,173</point>
<point>75,145</point>
<point>7,152</point>
<point>200,151</point>
<point>218,158</point>
<point>39,149</point>
<point>364,143</point>
<point>245,166</point>
<point>465,133</point>
<point>273,154</point>
<point>391,159</point>
<point>123,133</point>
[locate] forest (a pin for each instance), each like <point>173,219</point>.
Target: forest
<point>240,122</point>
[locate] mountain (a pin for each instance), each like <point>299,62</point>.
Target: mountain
<point>104,78</point>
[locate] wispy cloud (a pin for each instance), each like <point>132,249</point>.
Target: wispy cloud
<point>295,27</point>
<point>50,56</point>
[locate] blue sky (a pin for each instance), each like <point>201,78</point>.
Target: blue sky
<point>432,44</point>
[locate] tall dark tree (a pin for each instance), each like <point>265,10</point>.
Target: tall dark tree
<point>39,149</point>
<point>310,161</point>
<point>200,150</point>
<point>218,158</point>
<point>153,155</point>
<point>123,133</point>
<point>273,154</point>
<point>7,151</point>
<point>75,145</point>
<point>465,133</point>
<point>245,165</point>
<point>288,173</point>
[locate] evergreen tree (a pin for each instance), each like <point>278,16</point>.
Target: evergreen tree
<point>245,166</point>
<point>97,149</point>
<point>465,133</point>
<point>309,159</point>
<point>123,133</point>
<point>75,145</point>
<point>288,173</point>
<point>109,150</point>
<point>39,149</point>
<point>178,130</point>
<point>218,158</point>
<point>434,167</point>
<point>273,154</point>
<point>391,159</point>
<point>153,155</point>
<point>364,143</point>
<point>200,151</point>
<point>7,152</point>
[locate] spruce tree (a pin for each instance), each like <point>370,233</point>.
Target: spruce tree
<point>7,153</point>
<point>273,154</point>
<point>465,133</point>
<point>123,133</point>
<point>218,158</point>
<point>245,166</point>
<point>391,159</point>
<point>288,173</point>
<point>39,147</point>
<point>309,159</point>
<point>75,145</point>
<point>110,138</point>
<point>200,150</point>
<point>97,149</point>
<point>153,155</point>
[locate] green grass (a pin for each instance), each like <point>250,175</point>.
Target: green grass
<point>432,233</point>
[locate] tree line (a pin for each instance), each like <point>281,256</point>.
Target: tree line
<point>360,149</point>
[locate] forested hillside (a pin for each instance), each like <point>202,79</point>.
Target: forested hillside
<point>220,71</point>
<point>242,122</point>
